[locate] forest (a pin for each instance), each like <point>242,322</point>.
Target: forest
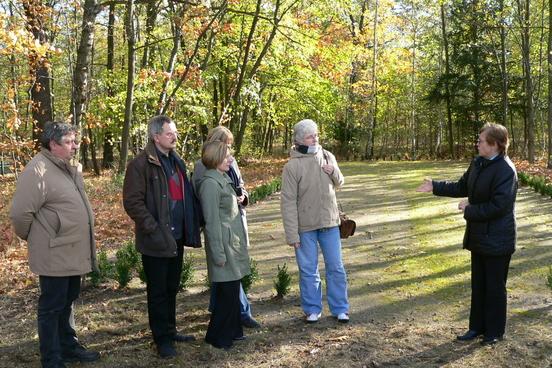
<point>399,90</point>
<point>385,79</point>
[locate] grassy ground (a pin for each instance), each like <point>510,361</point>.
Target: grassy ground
<point>408,286</point>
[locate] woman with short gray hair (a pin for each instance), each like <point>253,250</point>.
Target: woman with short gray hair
<point>311,218</point>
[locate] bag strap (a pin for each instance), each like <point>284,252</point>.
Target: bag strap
<point>339,205</point>
<point>325,155</point>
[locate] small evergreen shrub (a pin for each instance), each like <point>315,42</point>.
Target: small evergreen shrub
<point>188,270</point>
<point>117,182</point>
<point>250,279</point>
<point>523,178</point>
<point>105,270</point>
<point>127,260</point>
<point>538,183</point>
<point>263,191</point>
<point>141,272</point>
<point>549,277</point>
<point>282,284</point>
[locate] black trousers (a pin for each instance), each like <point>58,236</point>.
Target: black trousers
<point>489,299</point>
<point>56,322</point>
<point>225,323</point>
<point>163,280</point>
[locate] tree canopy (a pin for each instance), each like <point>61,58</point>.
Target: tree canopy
<point>382,78</point>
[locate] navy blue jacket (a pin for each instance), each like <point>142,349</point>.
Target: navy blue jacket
<point>491,188</point>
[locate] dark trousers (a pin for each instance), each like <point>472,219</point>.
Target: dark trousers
<point>488,300</point>
<point>56,323</point>
<point>225,323</point>
<point>163,280</point>
<point>245,307</point>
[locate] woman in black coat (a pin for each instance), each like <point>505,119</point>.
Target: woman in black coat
<point>490,183</point>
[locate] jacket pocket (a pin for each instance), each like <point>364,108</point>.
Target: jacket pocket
<point>155,240</point>
<point>50,221</point>
<point>479,228</point>
<point>65,240</point>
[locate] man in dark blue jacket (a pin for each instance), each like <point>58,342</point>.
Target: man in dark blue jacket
<point>159,198</point>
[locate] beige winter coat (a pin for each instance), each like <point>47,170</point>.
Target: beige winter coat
<point>308,199</point>
<point>51,211</point>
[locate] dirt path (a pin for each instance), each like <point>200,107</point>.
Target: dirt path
<point>408,285</point>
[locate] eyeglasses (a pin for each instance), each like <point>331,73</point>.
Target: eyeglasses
<point>479,141</point>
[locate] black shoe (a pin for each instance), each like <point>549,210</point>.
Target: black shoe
<point>166,351</point>
<point>250,323</point>
<point>468,336</point>
<point>183,338</point>
<point>491,340</point>
<point>239,338</point>
<point>54,365</point>
<point>218,346</point>
<point>79,354</point>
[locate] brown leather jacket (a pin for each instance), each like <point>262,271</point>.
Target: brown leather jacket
<point>145,198</point>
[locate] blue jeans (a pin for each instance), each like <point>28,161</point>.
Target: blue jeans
<point>309,277</point>
<point>245,307</point>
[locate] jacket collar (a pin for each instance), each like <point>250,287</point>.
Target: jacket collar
<point>293,153</point>
<point>221,178</point>
<point>62,164</point>
<point>483,162</point>
<point>153,157</point>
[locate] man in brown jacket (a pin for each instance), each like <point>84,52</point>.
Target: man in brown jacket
<point>158,196</point>
<point>50,210</point>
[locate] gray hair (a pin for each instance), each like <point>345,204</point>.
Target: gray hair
<point>155,125</point>
<point>302,129</point>
<point>55,131</point>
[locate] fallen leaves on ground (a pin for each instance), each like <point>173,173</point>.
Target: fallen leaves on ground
<point>112,225</point>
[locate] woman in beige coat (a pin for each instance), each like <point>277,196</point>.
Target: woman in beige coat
<point>311,218</point>
<point>225,248</point>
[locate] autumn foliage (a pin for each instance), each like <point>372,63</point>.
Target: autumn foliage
<point>112,228</point>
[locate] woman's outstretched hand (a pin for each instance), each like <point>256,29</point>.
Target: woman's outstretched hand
<point>426,186</point>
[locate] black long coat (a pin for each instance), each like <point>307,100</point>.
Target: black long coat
<point>491,188</point>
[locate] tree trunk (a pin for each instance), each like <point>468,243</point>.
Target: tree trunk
<point>177,36</point>
<point>275,24</point>
<point>369,152</point>
<point>151,19</point>
<point>549,163</point>
<point>81,74</point>
<point>41,96</point>
<point>108,156</point>
<point>131,39</point>
<point>526,55</point>
<point>447,85</point>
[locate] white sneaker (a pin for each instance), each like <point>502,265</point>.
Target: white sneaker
<point>313,317</point>
<point>343,317</point>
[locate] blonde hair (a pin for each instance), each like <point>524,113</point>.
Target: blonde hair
<point>213,154</point>
<point>220,133</point>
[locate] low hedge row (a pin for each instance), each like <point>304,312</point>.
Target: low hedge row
<point>263,191</point>
<point>539,183</point>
